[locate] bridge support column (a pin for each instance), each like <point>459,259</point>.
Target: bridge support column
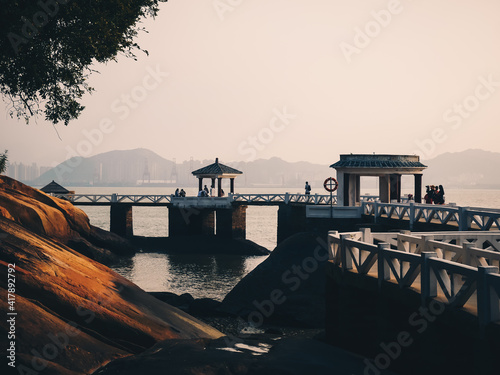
<point>190,221</point>
<point>291,220</point>
<point>121,222</point>
<point>231,222</point>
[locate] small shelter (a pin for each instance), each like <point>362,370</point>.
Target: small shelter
<point>217,171</point>
<point>54,188</point>
<point>388,168</point>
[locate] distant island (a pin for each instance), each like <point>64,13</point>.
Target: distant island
<point>142,167</point>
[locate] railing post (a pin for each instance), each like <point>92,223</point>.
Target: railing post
<point>114,198</point>
<point>316,198</point>
<point>375,212</point>
<point>287,198</point>
<point>466,253</point>
<point>366,235</point>
<point>384,272</point>
<point>412,215</point>
<point>428,281</point>
<point>487,300</point>
<point>344,254</point>
<point>463,219</point>
<point>331,254</point>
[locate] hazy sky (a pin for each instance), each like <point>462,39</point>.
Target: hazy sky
<point>301,80</point>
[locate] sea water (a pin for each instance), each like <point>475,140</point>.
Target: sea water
<point>213,276</point>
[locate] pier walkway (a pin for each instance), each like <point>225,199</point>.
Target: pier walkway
<point>458,269</point>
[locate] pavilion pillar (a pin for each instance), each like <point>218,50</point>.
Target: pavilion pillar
<point>395,183</point>
<point>232,185</point>
<point>340,191</point>
<point>418,188</point>
<point>358,189</point>
<point>200,183</point>
<point>219,187</point>
<point>383,188</point>
<point>346,188</point>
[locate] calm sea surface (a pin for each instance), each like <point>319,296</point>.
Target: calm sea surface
<point>214,276</point>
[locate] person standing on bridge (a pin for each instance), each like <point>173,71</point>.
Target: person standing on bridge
<point>308,188</point>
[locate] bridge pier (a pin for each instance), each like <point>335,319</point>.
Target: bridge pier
<point>190,221</point>
<point>121,222</point>
<point>231,222</point>
<point>291,220</point>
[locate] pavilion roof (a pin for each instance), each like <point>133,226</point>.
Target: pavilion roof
<point>378,161</point>
<point>54,187</point>
<point>216,169</point>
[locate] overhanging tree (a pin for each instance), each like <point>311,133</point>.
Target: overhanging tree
<point>47,49</point>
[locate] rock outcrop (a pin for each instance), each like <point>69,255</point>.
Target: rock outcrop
<point>58,219</point>
<point>288,288</point>
<point>58,289</point>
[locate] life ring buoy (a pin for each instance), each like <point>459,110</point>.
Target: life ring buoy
<point>330,184</point>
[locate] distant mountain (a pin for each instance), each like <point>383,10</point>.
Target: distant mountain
<point>466,169</point>
<point>144,167</point>
<point>125,168</point>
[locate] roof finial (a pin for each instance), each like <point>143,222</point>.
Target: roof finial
<point>216,160</point>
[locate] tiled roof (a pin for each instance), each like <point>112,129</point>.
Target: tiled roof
<point>378,161</point>
<point>216,169</point>
<point>55,188</point>
<point>377,164</point>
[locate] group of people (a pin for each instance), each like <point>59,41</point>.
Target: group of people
<point>205,192</point>
<point>180,193</point>
<point>434,194</point>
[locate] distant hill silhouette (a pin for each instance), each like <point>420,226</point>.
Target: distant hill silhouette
<point>142,166</point>
<point>466,169</point>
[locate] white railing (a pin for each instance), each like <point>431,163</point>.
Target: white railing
<point>459,274</point>
<point>464,218</point>
<point>269,199</point>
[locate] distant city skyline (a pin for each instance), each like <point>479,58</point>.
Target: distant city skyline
<point>296,80</point>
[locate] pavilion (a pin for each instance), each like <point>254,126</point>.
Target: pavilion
<point>54,188</point>
<point>388,169</point>
<point>217,171</point>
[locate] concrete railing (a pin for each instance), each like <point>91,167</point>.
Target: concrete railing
<point>464,217</point>
<point>458,274</point>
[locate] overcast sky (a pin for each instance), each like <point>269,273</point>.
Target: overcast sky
<point>301,80</point>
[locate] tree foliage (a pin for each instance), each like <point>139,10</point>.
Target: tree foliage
<point>3,162</point>
<point>47,49</point>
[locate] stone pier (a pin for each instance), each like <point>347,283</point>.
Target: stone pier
<point>231,222</point>
<point>225,222</point>
<point>121,222</point>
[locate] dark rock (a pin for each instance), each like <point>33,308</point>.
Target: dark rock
<point>288,288</point>
<point>231,356</point>
<point>204,306</point>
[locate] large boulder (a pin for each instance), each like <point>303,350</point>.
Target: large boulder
<point>288,288</point>
<point>58,289</point>
<point>58,219</point>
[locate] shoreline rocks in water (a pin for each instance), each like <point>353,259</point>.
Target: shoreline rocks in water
<point>59,220</point>
<point>74,314</point>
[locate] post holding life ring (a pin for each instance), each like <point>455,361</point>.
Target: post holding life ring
<point>330,184</point>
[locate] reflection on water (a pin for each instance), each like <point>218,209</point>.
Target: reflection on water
<point>202,276</point>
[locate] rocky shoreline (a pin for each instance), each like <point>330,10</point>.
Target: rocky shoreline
<point>77,316</point>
